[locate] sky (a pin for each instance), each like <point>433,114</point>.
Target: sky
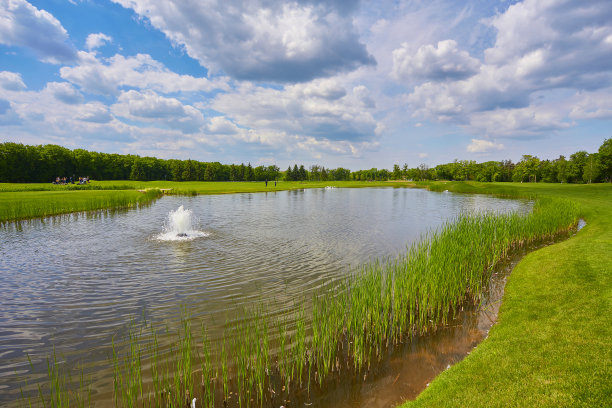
<point>356,84</point>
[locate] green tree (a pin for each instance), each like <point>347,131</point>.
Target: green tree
<point>248,173</point>
<point>138,171</point>
<point>591,168</point>
<point>605,160</point>
<point>397,172</point>
<point>576,166</point>
<point>303,174</point>
<point>560,166</point>
<point>289,174</point>
<point>527,169</point>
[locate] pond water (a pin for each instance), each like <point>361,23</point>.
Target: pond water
<point>73,282</point>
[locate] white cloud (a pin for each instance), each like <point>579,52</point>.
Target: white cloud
<point>150,107</point>
<point>261,40</point>
<point>521,122</point>
<point>95,112</point>
<point>8,116</point>
<point>107,76</point>
<point>23,25</point>
<point>97,40</point>
<point>439,63</point>
<point>541,47</point>
<point>11,81</point>
<point>592,105</point>
<point>298,110</point>
<point>483,146</point>
<point>64,92</point>
<point>422,155</point>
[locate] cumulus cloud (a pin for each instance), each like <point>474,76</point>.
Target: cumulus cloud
<point>526,121</point>
<point>153,108</point>
<point>299,110</point>
<point>483,146</point>
<point>11,81</point>
<point>97,40</point>
<point>65,92</point>
<point>540,47</point>
<point>592,105</point>
<point>23,25</point>
<point>261,40</point>
<point>45,112</point>
<point>107,76</point>
<point>94,112</point>
<point>446,61</point>
<point>7,115</point>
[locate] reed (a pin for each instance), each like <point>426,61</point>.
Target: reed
<point>350,328</point>
<point>26,205</point>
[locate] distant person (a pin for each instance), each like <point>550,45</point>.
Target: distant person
<point>274,183</point>
<point>266,182</point>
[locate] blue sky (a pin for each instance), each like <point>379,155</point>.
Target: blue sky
<point>357,84</point>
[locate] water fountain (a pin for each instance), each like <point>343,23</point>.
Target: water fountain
<point>179,226</point>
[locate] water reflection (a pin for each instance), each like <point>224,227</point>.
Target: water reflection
<point>75,281</point>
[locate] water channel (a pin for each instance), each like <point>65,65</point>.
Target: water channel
<point>73,282</point>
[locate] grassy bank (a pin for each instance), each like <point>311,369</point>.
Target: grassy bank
<point>33,204</point>
<point>552,345</point>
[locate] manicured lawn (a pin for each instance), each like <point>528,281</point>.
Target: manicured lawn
<point>229,187</point>
<point>552,344</point>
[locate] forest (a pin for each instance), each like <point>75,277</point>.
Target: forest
<point>21,163</point>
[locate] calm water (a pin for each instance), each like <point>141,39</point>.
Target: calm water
<point>75,281</point>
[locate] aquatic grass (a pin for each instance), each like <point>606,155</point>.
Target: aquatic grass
<point>61,390</point>
<point>27,205</point>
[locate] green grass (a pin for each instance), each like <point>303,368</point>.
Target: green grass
<point>33,204</point>
<point>552,344</point>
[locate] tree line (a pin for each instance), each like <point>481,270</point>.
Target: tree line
<point>43,163</point>
<point>580,167</point>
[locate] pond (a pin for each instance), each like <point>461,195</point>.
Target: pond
<point>71,283</point>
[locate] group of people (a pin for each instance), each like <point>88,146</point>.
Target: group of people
<point>70,180</point>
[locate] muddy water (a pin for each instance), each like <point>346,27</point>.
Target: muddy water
<point>72,283</point>
<point>410,368</point>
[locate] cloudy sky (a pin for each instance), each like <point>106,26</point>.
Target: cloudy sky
<point>357,84</point>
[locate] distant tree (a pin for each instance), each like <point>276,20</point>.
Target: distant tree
<point>527,169</point>
<point>303,174</point>
<point>560,166</point>
<point>576,166</point>
<point>248,173</point>
<point>423,171</point>
<point>605,160</point>
<point>547,172</point>
<point>397,172</point>
<point>137,172</point>
<point>591,168</point>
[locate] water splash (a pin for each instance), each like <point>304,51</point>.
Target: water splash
<point>180,226</point>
